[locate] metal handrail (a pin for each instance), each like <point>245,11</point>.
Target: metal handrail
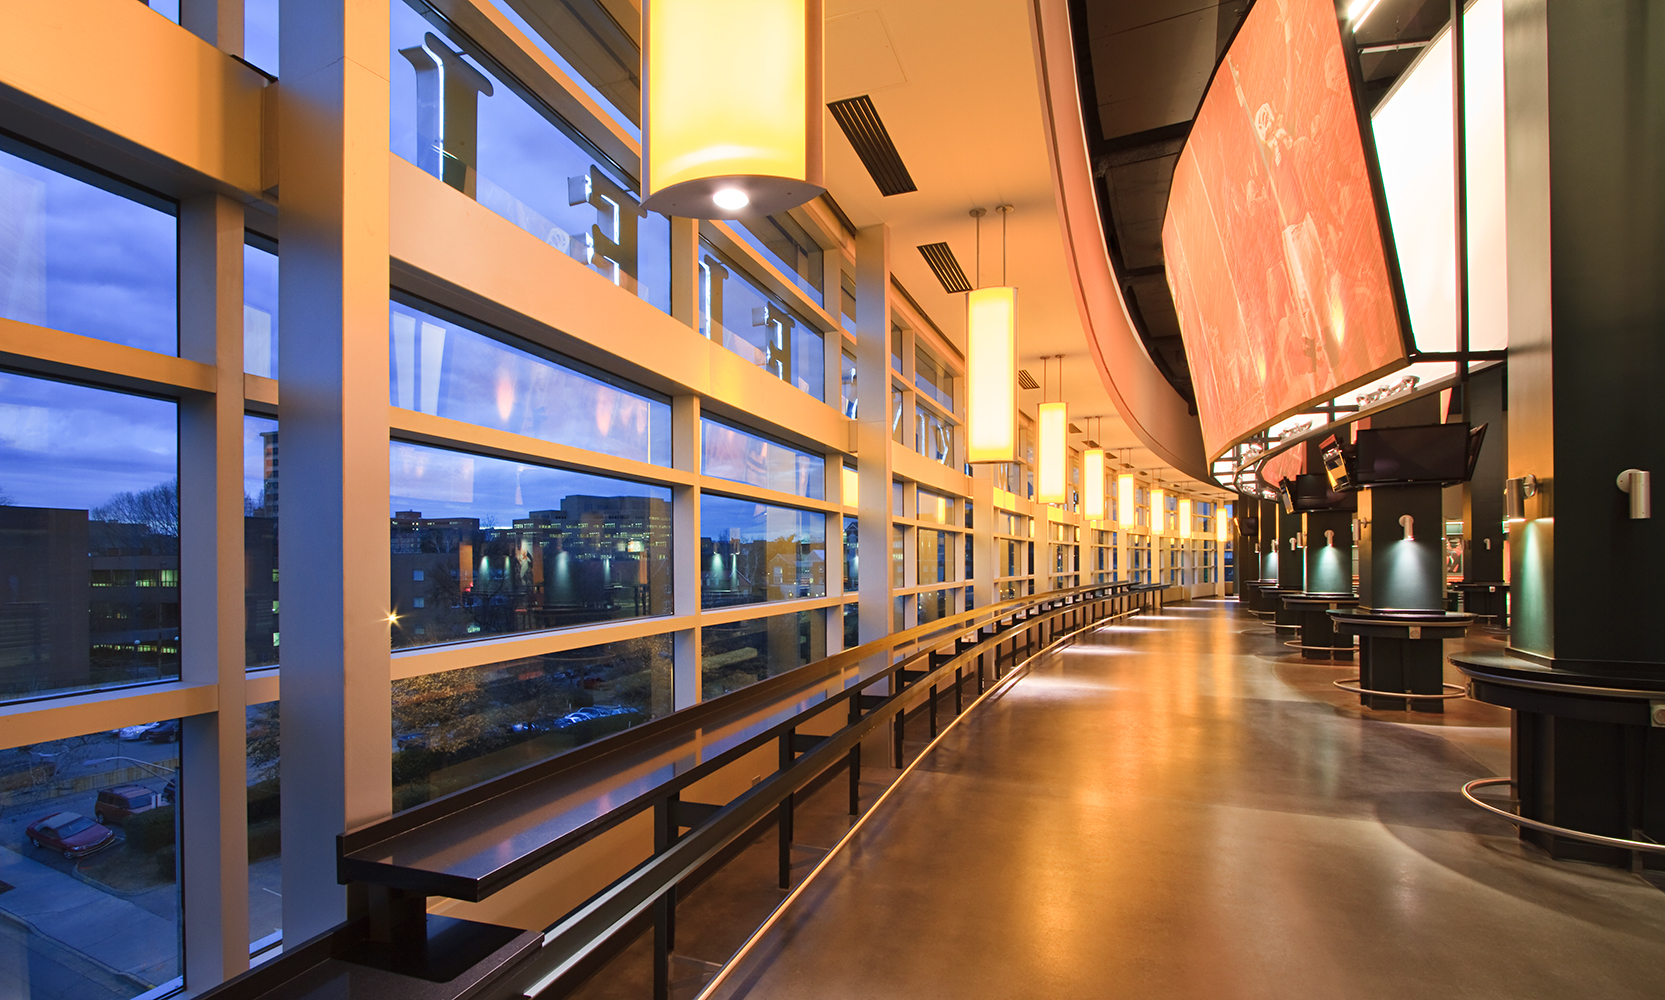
<point>745,949</point>
<point>572,940</point>
<point>1560,831</point>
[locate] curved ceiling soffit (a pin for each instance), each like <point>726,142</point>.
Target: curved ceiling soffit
<point>1157,414</point>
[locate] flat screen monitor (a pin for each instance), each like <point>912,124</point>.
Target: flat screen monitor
<point>1334,455</point>
<point>1313,493</point>
<point>1275,247</point>
<point>1248,525</point>
<point>1429,453</point>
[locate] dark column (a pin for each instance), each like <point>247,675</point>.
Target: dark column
<point>1329,552</point>
<point>1586,223</point>
<point>1397,573</point>
<point>1483,495</point>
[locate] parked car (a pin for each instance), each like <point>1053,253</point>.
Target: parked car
<point>164,732</point>
<point>135,732</point>
<point>593,712</point>
<point>72,833</point>
<point>114,805</point>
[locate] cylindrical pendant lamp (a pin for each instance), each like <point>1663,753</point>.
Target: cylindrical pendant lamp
<point>731,106</point>
<point>1053,430</point>
<point>991,374</point>
<point>1158,511</point>
<point>1185,518</point>
<point>1092,471</point>
<point>1124,499</point>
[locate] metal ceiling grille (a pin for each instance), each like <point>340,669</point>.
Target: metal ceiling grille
<point>1026,380</point>
<point>946,267</point>
<point>862,126</point>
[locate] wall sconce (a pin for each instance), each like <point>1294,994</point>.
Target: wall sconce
<point>1639,485</point>
<point>1408,523</point>
<point>1301,539</point>
<point>1515,492</point>
<point>1329,538</point>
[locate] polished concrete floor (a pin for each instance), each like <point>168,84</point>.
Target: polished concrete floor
<point>1179,807</point>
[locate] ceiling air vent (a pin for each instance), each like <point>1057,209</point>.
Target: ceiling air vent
<point>1027,380</point>
<point>1074,429</point>
<point>946,267</point>
<point>860,121</point>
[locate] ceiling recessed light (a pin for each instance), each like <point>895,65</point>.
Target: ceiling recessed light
<point>731,199</point>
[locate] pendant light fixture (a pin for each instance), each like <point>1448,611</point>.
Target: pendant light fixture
<point>991,359</point>
<point>731,106</point>
<point>1222,519</point>
<point>1158,511</point>
<point>1185,517</point>
<point>1092,472</point>
<point>1052,422</point>
<point>1124,499</point>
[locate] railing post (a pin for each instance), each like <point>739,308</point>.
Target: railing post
<point>932,712</point>
<point>898,734</point>
<point>959,689</point>
<point>665,833</point>
<point>855,759</point>
<point>787,756</point>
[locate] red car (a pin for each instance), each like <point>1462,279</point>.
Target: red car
<point>72,833</point>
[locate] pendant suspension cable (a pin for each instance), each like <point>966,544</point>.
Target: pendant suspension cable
<point>977,214</point>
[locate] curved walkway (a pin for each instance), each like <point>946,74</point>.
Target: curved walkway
<point>1178,807</point>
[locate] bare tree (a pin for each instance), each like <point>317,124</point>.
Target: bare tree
<point>156,508</point>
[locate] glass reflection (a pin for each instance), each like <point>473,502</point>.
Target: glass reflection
<point>740,654</point>
<point>754,552</point>
<point>741,456</point>
<point>260,311</point>
<point>91,866</point>
<point>89,538</point>
<point>532,170</point>
<point>440,366</point>
<point>751,323</point>
<point>260,540</point>
<point>455,729</point>
<point>486,546</point>
<point>77,257</point>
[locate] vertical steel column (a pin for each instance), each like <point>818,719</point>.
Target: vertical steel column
<point>687,682</point>
<point>213,861</point>
<point>336,768</point>
<point>873,459</point>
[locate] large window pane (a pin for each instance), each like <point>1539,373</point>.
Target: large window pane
<point>785,244</point>
<point>601,55</point>
<point>260,311</point>
<point>754,552</point>
<point>518,163</point>
<point>89,859</point>
<point>461,727</point>
<point>485,546</point>
<point>728,452</point>
<point>260,34</point>
<point>260,540</point>
<point>738,314</point>
<point>739,654</point>
<point>89,538</point>
<point>440,366</point>
<point>75,257</point>
<point>852,555</point>
<point>265,841</point>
